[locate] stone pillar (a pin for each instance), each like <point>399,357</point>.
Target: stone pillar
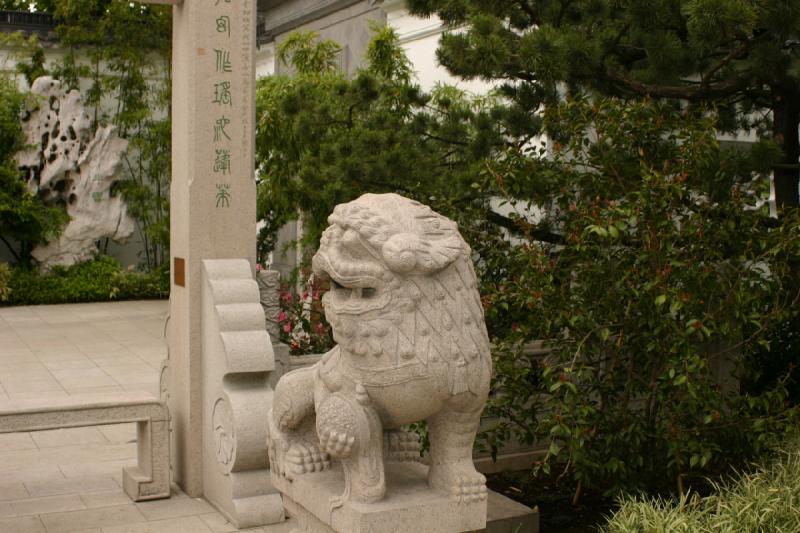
<point>213,207</point>
<point>215,379</point>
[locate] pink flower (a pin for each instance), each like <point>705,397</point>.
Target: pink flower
<point>305,295</point>
<point>259,267</point>
<point>320,327</point>
<point>282,316</point>
<point>315,295</point>
<point>287,328</point>
<point>287,297</point>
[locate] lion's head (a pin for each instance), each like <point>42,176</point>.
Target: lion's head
<point>403,289</point>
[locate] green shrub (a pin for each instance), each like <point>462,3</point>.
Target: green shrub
<point>98,280</point>
<point>5,276</point>
<point>665,268</point>
<point>24,217</point>
<point>767,499</point>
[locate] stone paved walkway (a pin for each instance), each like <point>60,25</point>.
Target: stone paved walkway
<point>69,480</point>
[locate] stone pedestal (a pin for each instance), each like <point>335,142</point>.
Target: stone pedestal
<point>410,505</point>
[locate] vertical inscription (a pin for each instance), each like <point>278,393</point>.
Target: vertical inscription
<point>245,60</point>
<point>223,91</point>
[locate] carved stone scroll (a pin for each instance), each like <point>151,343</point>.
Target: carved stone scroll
<point>236,364</point>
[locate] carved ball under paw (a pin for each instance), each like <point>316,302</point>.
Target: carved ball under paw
<point>336,443</point>
<point>337,426</point>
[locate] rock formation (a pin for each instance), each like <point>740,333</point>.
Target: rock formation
<point>66,165</point>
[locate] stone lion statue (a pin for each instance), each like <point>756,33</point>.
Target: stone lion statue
<point>412,346</point>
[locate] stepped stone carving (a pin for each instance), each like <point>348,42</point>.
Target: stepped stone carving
<point>269,289</point>
<point>412,345</point>
<point>237,359</point>
<point>66,165</point>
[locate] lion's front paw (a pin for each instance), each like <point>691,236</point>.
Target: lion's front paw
<point>337,443</point>
<point>460,480</point>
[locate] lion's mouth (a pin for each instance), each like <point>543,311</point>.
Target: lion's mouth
<point>356,293</point>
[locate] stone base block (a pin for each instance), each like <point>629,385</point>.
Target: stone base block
<point>504,515</point>
<point>410,506</point>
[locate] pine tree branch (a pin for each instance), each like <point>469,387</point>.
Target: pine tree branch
<point>444,140</point>
<point>683,92</point>
<point>531,231</point>
<point>736,53</point>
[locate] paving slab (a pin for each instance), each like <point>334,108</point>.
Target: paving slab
<point>102,517</point>
<point>22,524</point>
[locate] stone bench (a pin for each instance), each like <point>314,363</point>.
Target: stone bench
<point>149,480</point>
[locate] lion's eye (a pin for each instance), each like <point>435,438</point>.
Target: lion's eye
<point>338,287</point>
<point>368,292</point>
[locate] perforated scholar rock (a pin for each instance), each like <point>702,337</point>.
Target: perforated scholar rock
<point>66,165</point>
<point>412,345</point>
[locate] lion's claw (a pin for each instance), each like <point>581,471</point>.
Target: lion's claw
<point>462,482</point>
<point>469,489</point>
<point>302,459</point>
<point>401,446</point>
<point>336,443</point>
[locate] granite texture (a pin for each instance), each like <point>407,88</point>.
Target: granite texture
<point>412,345</point>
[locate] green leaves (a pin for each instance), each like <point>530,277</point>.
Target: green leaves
<point>307,54</point>
<point>324,139</point>
<point>650,296</point>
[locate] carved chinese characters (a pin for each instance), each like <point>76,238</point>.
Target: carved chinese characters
<point>222,102</point>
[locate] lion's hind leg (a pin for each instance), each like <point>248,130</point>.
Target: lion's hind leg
<point>452,470</point>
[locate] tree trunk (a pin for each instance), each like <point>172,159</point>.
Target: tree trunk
<point>25,255</point>
<point>786,118</point>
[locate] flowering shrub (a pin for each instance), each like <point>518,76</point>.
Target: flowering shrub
<point>302,320</point>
